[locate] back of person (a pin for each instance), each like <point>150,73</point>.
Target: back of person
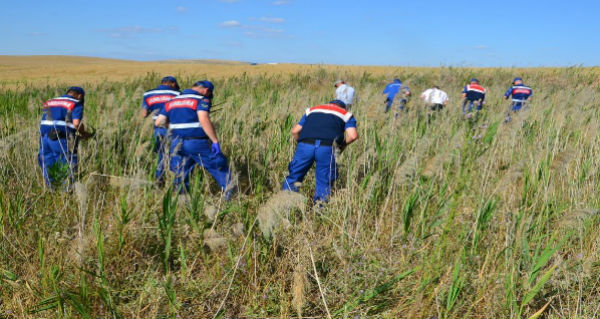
<point>474,96</point>
<point>519,92</point>
<point>61,119</point>
<point>392,89</point>
<point>320,129</point>
<point>324,122</point>
<point>58,113</point>
<point>155,99</point>
<point>435,96</point>
<point>182,114</point>
<point>474,92</point>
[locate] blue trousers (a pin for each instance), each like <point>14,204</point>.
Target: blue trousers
<point>160,148</point>
<point>470,104</point>
<point>389,102</point>
<point>516,106</point>
<point>57,161</point>
<point>326,169</point>
<point>186,154</point>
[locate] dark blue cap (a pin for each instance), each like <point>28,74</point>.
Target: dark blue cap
<point>338,103</point>
<point>205,84</point>
<point>397,80</point>
<point>517,79</point>
<point>76,89</point>
<point>170,79</point>
<point>474,80</point>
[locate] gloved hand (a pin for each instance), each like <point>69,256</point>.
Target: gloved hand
<point>215,148</point>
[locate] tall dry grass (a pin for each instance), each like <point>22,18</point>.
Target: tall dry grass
<point>445,218</point>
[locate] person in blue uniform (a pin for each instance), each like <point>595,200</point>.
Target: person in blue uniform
<point>152,102</point>
<point>393,89</point>
<point>61,121</point>
<point>193,137</point>
<point>520,94</point>
<point>322,128</point>
<point>473,96</point>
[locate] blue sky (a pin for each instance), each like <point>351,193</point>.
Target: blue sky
<point>418,33</point>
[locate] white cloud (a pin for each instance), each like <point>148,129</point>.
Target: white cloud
<point>272,20</point>
<point>230,24</point>
<point>482,47</point>
<point>181,9</point>
<point>280,2</point>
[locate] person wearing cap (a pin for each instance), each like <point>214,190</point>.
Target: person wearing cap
<point>152,102</point>
<point>520,94</point>
<point>344,93</point>
<point>435,98</point>
<point>322,128</point>
<point>193,137</point>
<point>473,95</point>
<point>393,89</point>
<point>60,129</point>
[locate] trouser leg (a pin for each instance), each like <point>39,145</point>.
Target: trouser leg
<point>299,166</point>
<point>46,159</point>
<point>326,172</point>
<point>215,164</point>
<point>159,148</point>
<point>180,165</point>
<point>388,104</point>
<point>402,104</point>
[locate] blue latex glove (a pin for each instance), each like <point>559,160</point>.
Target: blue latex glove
<point>215,148</point>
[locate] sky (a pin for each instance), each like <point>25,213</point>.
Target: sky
<point>386,32</point>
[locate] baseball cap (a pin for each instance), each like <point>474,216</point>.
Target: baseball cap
<point>474,80</point>
<point>517,79</point>
<point>76,89</point>
<point>338,82</point>
<point>206,84</point>
<point>338,103</point>
<point>171,79</point>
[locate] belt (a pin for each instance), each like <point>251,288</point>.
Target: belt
<point>193,138</point>
<point>517,100</point>
<point>56,134</point>
<point>312,141</point>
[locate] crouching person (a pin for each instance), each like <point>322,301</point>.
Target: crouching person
<point>60,130</point>
<point>320,129</point>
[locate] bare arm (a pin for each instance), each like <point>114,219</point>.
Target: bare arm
<point>351,135</point>
<point>207,125</point>
<point>296,131</point>
<point>144,113</point>
<point>77,123</point>
<point>161,121</point>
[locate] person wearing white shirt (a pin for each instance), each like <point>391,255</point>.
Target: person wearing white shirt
<point>435,98</point>
<point>344,93</point>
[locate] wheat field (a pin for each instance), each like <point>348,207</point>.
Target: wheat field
<point>436,217</point>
